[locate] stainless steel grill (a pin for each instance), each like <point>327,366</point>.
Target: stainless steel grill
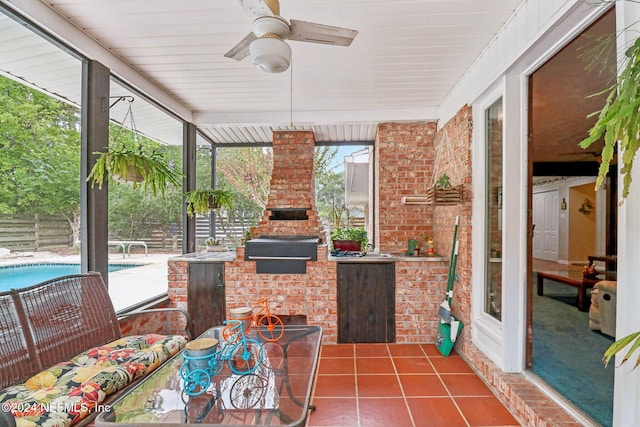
<point>282,254</point>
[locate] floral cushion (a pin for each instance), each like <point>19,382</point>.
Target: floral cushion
<point>65,393</point>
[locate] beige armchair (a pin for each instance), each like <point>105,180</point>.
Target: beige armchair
<point>602,313</point>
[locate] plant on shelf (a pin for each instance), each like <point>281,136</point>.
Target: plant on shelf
<point>349,238</point>
<point>210,241</point>
<point>213,245</point>
<point>124,164</point>
<point>443,182</point>
<point>202,201</point>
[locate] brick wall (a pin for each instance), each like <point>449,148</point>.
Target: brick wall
<point>409,158</point>
<point>404,154</point>
<point>313,294</point>
<point>156,323</point>
<point>420,287</point>
<point>453,157</point>
<point>178,279</point>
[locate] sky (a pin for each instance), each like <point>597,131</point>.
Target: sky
<point>346,150</point>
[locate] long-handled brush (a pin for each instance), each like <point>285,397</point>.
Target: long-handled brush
<point>444,310</point>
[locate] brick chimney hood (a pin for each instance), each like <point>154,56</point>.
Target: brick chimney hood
<point>291,207</point>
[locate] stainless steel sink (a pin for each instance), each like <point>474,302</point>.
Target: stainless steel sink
<point>372,255</point>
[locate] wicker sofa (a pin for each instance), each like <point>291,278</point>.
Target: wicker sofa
<point>62,355</point>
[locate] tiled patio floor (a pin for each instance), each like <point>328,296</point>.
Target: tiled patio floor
<point>364,385</point>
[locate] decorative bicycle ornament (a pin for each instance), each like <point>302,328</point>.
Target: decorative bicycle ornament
<point>270,327</point>
<point>205,357</point>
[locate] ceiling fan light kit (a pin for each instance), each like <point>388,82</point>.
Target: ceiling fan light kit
<point>270,54</point>
<point>266,43</point>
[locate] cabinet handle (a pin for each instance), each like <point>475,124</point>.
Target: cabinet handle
<point>220,280</point>
<point>281,258</point>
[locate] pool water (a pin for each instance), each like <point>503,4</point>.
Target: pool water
<point>21,276</point>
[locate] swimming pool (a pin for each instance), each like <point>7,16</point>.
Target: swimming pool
<point>23,275</point>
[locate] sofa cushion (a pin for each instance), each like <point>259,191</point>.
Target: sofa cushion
<point>65,393</point>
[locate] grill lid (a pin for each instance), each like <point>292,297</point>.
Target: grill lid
<point>282,254</point>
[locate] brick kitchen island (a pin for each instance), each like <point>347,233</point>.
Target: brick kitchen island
<point>420,284</point>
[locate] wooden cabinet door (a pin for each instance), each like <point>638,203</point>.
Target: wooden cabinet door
<point>206,296</point>
<point>366,302</point>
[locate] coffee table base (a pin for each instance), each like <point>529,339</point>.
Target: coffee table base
<point>582,286</point>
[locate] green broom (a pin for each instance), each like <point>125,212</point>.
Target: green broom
<point>444,310</point>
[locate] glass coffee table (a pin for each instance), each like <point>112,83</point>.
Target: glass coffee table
<point>276,393</point>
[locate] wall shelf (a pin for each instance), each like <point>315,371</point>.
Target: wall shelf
<point>436,196</point>
<point>415,200</point>
<point>444,196</point>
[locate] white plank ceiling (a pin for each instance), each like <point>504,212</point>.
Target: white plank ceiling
<point>407,57</point>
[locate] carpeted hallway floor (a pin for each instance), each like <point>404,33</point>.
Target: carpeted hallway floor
<point>567,355</point>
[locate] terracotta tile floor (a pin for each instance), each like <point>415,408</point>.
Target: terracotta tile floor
<point>362,385</point>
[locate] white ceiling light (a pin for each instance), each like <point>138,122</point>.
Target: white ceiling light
<point>270,54</point>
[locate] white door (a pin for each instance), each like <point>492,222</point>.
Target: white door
<point>545,222</point>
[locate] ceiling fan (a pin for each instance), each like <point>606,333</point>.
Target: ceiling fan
<point>269,52</point>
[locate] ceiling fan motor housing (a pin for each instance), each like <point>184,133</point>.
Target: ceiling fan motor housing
<point>271,25</point>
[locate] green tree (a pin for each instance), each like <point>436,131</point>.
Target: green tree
<point>248,170</point>
<point>39,154</point>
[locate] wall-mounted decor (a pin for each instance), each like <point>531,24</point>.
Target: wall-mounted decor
<point>586,207</point>
<point>444,196</point>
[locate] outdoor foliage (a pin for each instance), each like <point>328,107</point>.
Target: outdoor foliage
<point>40,171</point>
<point>39,153</point>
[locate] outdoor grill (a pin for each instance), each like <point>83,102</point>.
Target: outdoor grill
<point>282,254</point>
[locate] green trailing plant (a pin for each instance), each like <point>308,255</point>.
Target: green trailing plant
<point>348,233</point>
<point>148,167</point>
<point>619,120</point>
<point>202,201</point>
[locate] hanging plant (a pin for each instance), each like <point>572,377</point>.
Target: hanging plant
<point>619,120</point>
<point>122,164</point>
<point>202,201</point>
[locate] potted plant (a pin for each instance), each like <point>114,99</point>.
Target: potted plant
<point>443,182</point>
<point>443,193</point>
<point>122,164</point>
<point>246,238</point>
<point>202,201</point>
<point>213,245</point>
<point>349,239</point>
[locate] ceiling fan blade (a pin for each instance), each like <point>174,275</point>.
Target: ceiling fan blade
<point>318,33</point>
<point>255,8</point>
<point>241,50</point>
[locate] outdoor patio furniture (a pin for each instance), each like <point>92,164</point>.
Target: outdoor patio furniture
<point>64,330</point>
<point>278,392</point>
